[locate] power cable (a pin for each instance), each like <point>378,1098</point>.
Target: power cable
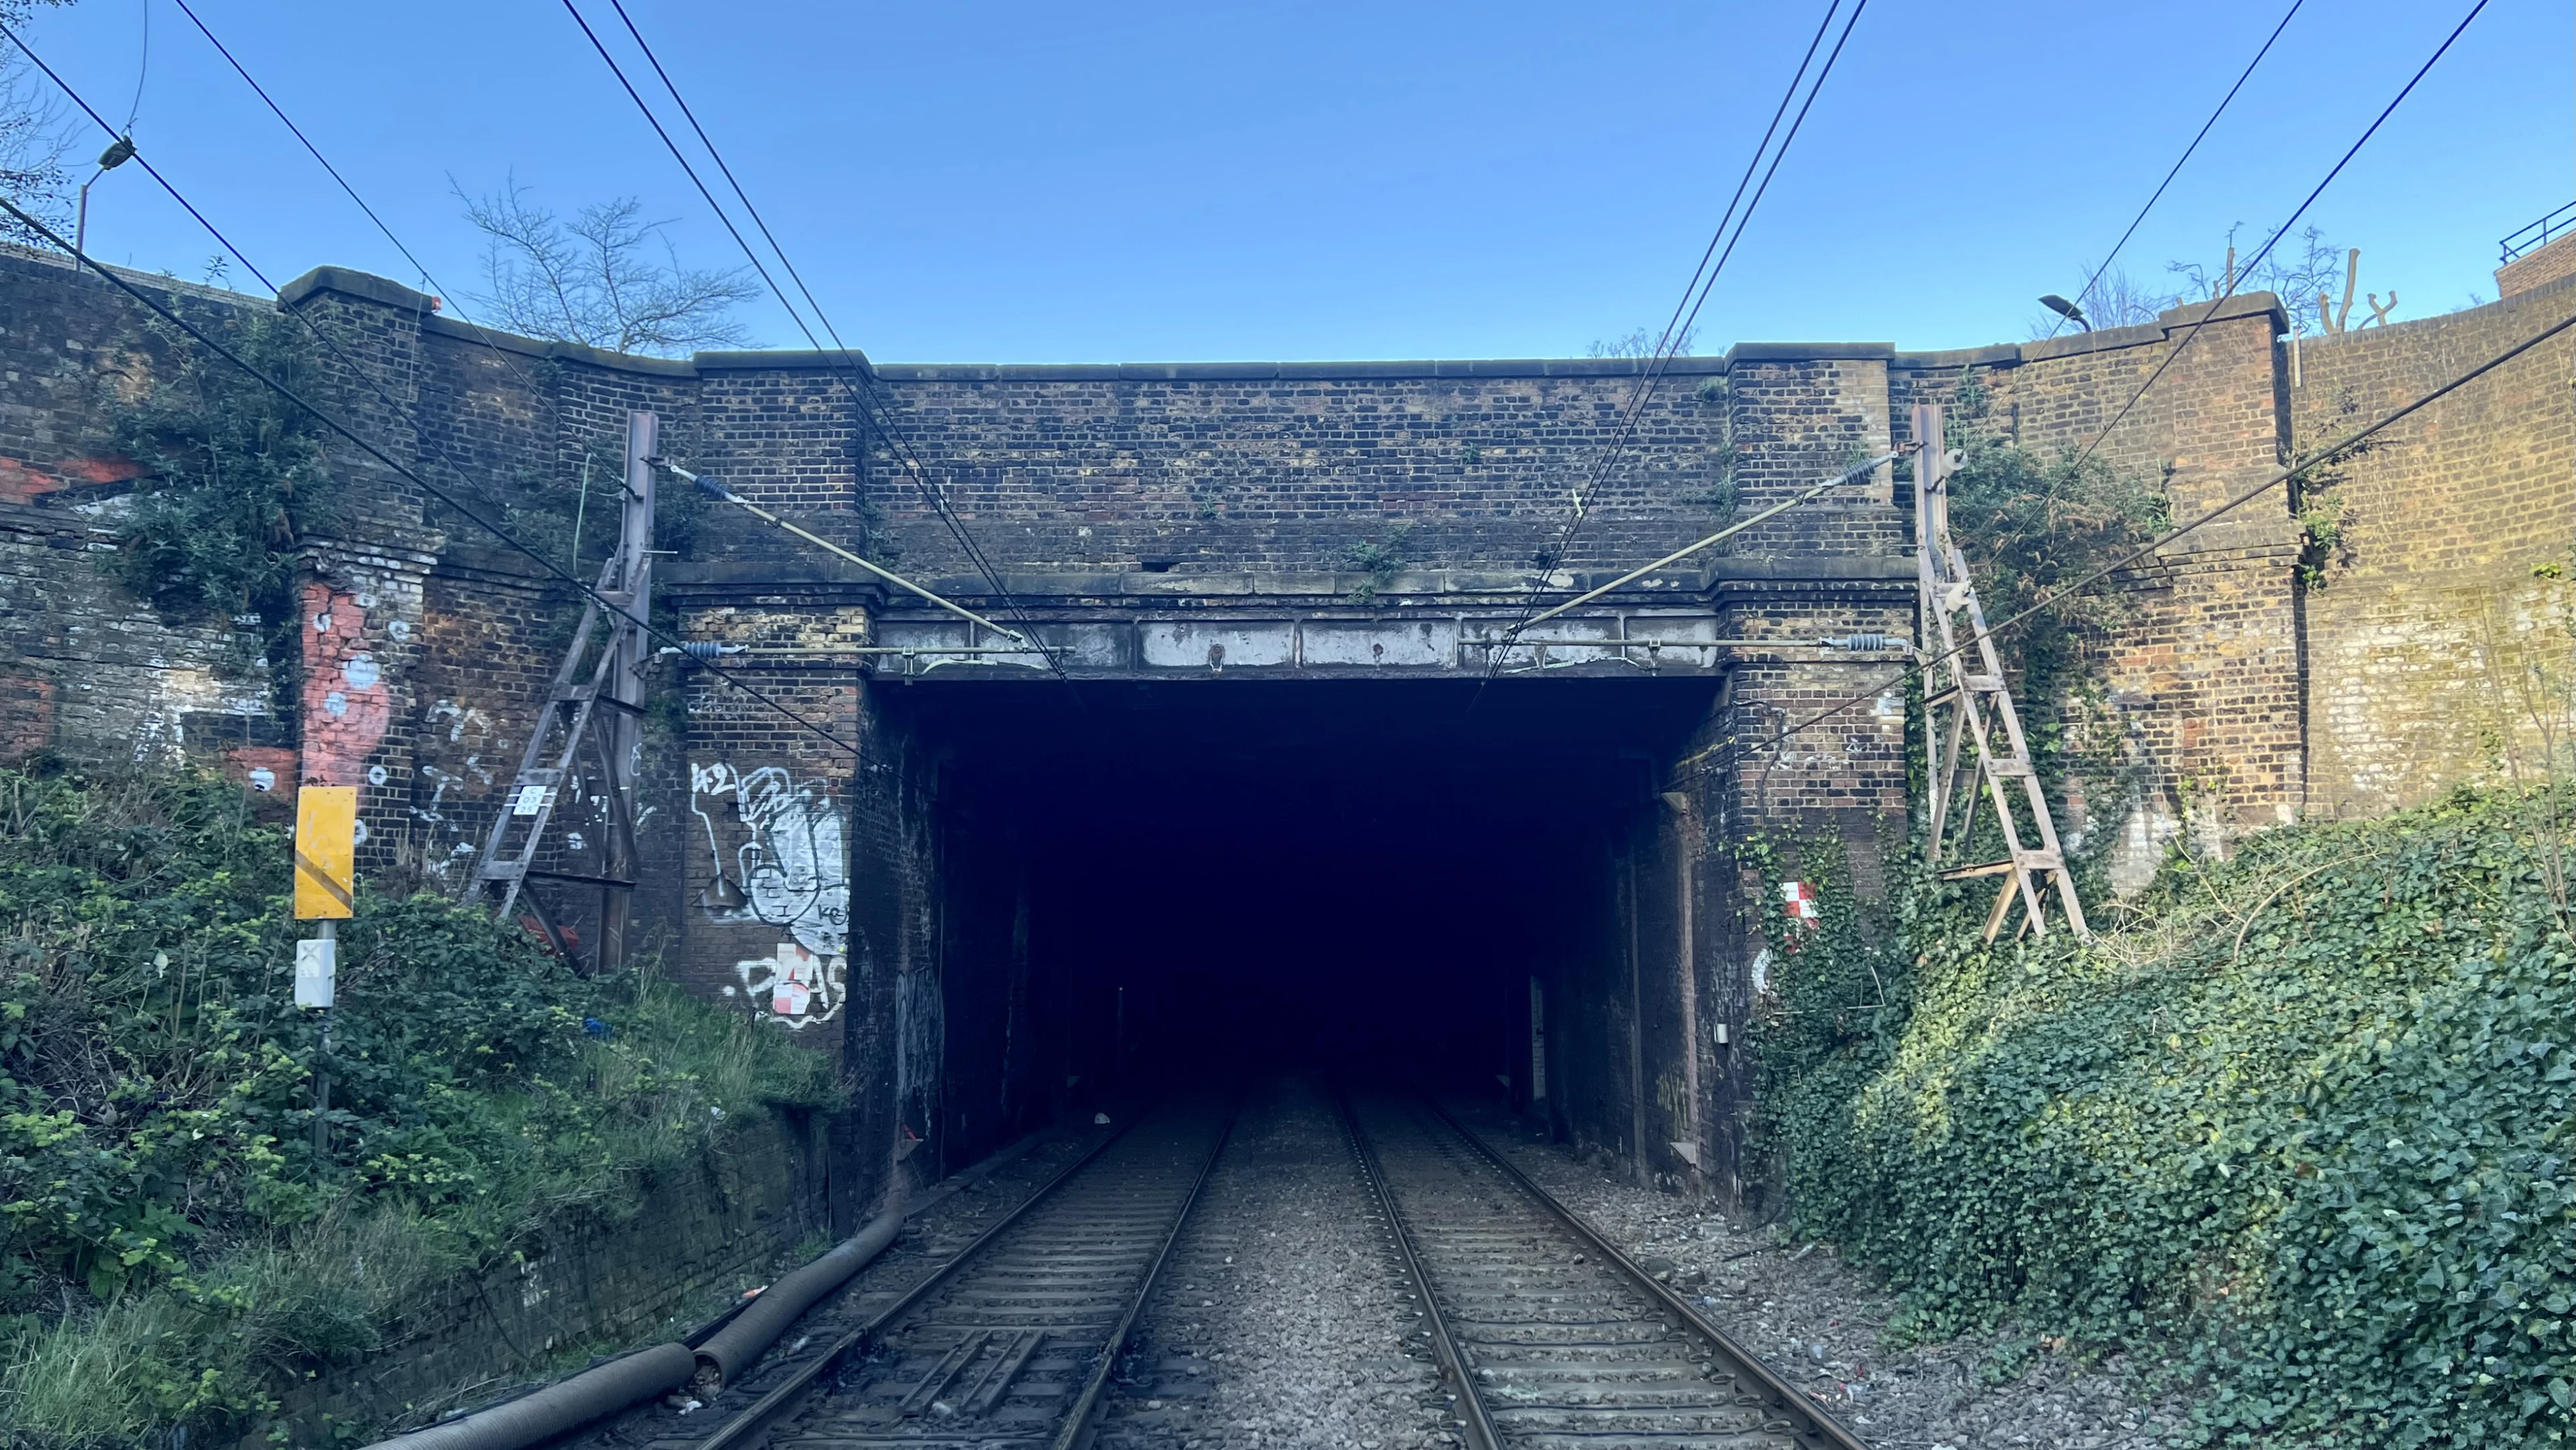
<point>2197,138</point>
<point>404,471</point>
<point>2282,475</point>
<point>356,370</point>
<point>2176,351</point>
<point>1670,340</point>
<point>2193,335</point>
<point>857,378</point>
<point>142,70</point>
<point>861,388</point>
<point>480,333</point>
<point>1704,280</point>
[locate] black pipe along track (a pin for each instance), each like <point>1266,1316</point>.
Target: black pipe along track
<point>1563,1340</point>
<point>602,1390</point>
<point>1010,1340</point>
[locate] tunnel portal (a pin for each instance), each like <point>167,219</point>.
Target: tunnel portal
<point>1381,879</point>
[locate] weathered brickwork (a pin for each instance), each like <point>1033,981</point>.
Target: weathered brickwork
<point>2538,267</point>
<point>2205,680</point>
<point>800,879</point>
<point>2436,653</point>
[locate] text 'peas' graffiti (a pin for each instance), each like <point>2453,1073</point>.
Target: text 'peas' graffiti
<point>779,862</point>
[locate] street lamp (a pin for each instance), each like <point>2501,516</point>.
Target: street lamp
<point>2067,310</point>
<point>117,154</point>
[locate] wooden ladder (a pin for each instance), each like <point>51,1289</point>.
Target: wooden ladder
<point>573,746</point>
<point>1972,708</point>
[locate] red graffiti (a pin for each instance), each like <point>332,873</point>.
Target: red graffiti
<point>23,482</point>
<point>346,703</point>
<point>26,716</point>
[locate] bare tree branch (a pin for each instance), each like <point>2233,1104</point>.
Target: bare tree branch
<point>33,140</point>
<point>595,279</point>
<point>1641,344</point>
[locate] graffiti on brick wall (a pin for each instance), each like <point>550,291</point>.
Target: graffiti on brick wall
<point>779,862</point>
<point>460,736</point>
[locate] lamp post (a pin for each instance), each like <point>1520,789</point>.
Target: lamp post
<point>117,154</point>
<point>2067,310</point>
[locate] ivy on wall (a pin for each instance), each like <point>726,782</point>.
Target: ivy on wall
<point>2299,1129</point>
<point>233,476</point>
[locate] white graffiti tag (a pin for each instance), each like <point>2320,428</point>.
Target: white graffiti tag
<point>780,863</point>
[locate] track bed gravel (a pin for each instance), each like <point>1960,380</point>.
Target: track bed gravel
<point>1818,1322</point>
<point>1281,1319</point>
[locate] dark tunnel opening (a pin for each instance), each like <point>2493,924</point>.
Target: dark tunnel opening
<point>1357,877</point>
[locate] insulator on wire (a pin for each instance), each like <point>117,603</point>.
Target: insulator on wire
<point>1875,643</point>
<point>703,650</point>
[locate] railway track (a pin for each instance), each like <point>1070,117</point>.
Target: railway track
<point>1011,1341</point>
<point>1554,1337</point>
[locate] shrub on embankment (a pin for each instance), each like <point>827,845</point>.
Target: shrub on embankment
<point>2298,1127</point>
<point>170,1244</point>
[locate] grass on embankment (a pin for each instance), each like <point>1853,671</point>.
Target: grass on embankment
<point>2297,1126</point>
<point>169,1245</point>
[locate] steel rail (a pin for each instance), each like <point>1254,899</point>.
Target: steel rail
<point>1479,1426</point>
<point>1823,1428</point>
<point>748,1426</point>
<point>1077,1419</point>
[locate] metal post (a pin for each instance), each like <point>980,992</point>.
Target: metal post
<point>326,930</point>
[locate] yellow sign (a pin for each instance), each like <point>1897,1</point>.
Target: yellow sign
<point>326,851</point>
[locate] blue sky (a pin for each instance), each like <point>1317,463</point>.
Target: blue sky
<point>1042,183</point>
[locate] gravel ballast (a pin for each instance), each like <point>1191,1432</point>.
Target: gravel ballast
<point>1818,1322</point>
<point>1281,1317</point>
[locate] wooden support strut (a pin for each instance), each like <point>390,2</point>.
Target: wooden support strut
<point>1968,705</point>
<point>588,737</point>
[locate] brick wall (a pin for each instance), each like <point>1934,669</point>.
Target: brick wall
<point>83,665</point>
<point>797,878</point>
<point>2538,267</point>
<point>2435,655</point>
<point>2205,681</point>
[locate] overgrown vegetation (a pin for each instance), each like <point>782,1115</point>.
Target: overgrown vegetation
<point>2298,1129</point>
<point>1381,560</point>
<point>170,1242</point>
<point>2031,524</point>
<point>232,474</point>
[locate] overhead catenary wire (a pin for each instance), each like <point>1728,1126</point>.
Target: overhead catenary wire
<point>407,473</point>
<point>2277,477</point>
<point>2192,334</point>
<point>373,385</point>
<point>419,266</point>
<point>854,377</point>
<point>1852,474</point>
<point>1780,739</point>
<point>1694,297</point>
<point>491,344</point>
<point>2202,135</point>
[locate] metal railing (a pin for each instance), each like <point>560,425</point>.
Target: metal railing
<point>2538,234</point>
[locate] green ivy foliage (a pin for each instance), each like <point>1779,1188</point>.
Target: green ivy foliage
<point>167,1233</point>
<point>233,475</point>
<point>2299,1132</point>
<point>2031,523</point>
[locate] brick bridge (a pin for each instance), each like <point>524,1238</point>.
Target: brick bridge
<point>1273,810</point>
